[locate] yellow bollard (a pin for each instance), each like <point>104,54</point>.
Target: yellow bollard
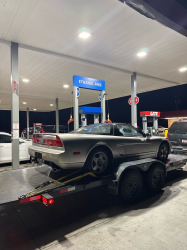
<point>166,132</point>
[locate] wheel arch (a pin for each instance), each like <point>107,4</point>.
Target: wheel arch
<point>101,145</point>
<point>164,141</point>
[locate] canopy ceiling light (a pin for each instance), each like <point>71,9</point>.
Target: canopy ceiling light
<point>84,35</point>
<point>183,69</point>
<point>25,80</point>
<point>142,54</point>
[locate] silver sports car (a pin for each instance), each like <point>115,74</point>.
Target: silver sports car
<point>98,147</point>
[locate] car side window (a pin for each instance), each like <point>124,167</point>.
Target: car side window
<point>127,131</point>
<point>101,130</point>
<point>5,139</point>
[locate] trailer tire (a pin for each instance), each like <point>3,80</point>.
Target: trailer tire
<point>156,178</point>
<point>131,186</point>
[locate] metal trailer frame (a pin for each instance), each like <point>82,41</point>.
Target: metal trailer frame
<point>47,195</point>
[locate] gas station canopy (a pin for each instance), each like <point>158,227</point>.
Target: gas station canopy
<point>51,52</point>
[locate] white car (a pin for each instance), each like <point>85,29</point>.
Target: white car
<point>6,148</point>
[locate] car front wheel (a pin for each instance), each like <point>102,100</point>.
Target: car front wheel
<point>163,152</point>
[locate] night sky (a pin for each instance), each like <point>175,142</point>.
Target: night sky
<point>157,100</point>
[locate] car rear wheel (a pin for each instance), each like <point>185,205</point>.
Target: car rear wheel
<point>163,152</point>
<point>99,161</point>
<point>131,186</point>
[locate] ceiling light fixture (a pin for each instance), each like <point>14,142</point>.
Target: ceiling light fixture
<point>183,69</point>
<point>34,109</point>
<point>84,35</point>
<point>142,54</point>
<point>24,103</point>
<point>66,86</point>
<point>51,105</point>
<point>25,80</point>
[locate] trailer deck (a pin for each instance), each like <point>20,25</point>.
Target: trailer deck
<point>29,183</point>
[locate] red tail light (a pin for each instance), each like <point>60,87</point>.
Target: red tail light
<point>24,131</point>
<point>56,142</point>
<point>50,201</point>
<point>47,201</point>
<point>168,136</point>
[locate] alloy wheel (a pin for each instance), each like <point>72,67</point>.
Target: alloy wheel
<point>163,151</point>
<point>99,162</point>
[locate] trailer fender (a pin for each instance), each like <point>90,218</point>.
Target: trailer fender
<point>142,165</point>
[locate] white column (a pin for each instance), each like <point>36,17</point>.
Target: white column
<point>103,109</point>
<point>57,116</point>
<point>15,105</point>
<point>133,105</point>
<point>27,123</point>
<point>76,108</point>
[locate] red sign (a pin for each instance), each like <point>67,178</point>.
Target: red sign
<point>150,113</point>
<point>15,86</point>
<point>136,100</point>
<point>38,124</point>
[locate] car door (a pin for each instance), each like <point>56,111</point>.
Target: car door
<point>133,143</point>
<point>5,148</point>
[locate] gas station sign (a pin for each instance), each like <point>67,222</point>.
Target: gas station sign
<point>88,83</point>
<point>37,124</point>
<point>136,100</point>
<point>150,113</point>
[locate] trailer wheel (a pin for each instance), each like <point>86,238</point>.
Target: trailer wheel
<point>156,178</point>
<point>131,186</point>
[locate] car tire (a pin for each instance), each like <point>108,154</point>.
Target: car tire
<point>99,161</point>
<point>131,186</point>
<point>163,152</point>
<point>156,178</point>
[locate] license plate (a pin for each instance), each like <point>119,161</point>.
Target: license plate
<point>184,141</point>
<point>38,155</point>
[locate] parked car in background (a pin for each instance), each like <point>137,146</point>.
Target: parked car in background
<point>97,146</point>
<point>43,129</point>
<point>177,133</point>
<point>52,129</point>
<point>31,131</point>
<point>6,148</point>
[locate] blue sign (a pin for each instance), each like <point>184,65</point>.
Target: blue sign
<point>88,83</point>
<point>89,110</point>
<point>100,97</point>
<point>78,92</point>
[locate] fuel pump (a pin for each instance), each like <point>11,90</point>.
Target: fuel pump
<point>145,116</point>
<point>83,111</point>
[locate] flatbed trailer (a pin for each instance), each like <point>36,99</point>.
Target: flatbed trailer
<point>127,180</point>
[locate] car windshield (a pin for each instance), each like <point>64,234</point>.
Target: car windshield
<point>98,129</point>
<point>178,128</point>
